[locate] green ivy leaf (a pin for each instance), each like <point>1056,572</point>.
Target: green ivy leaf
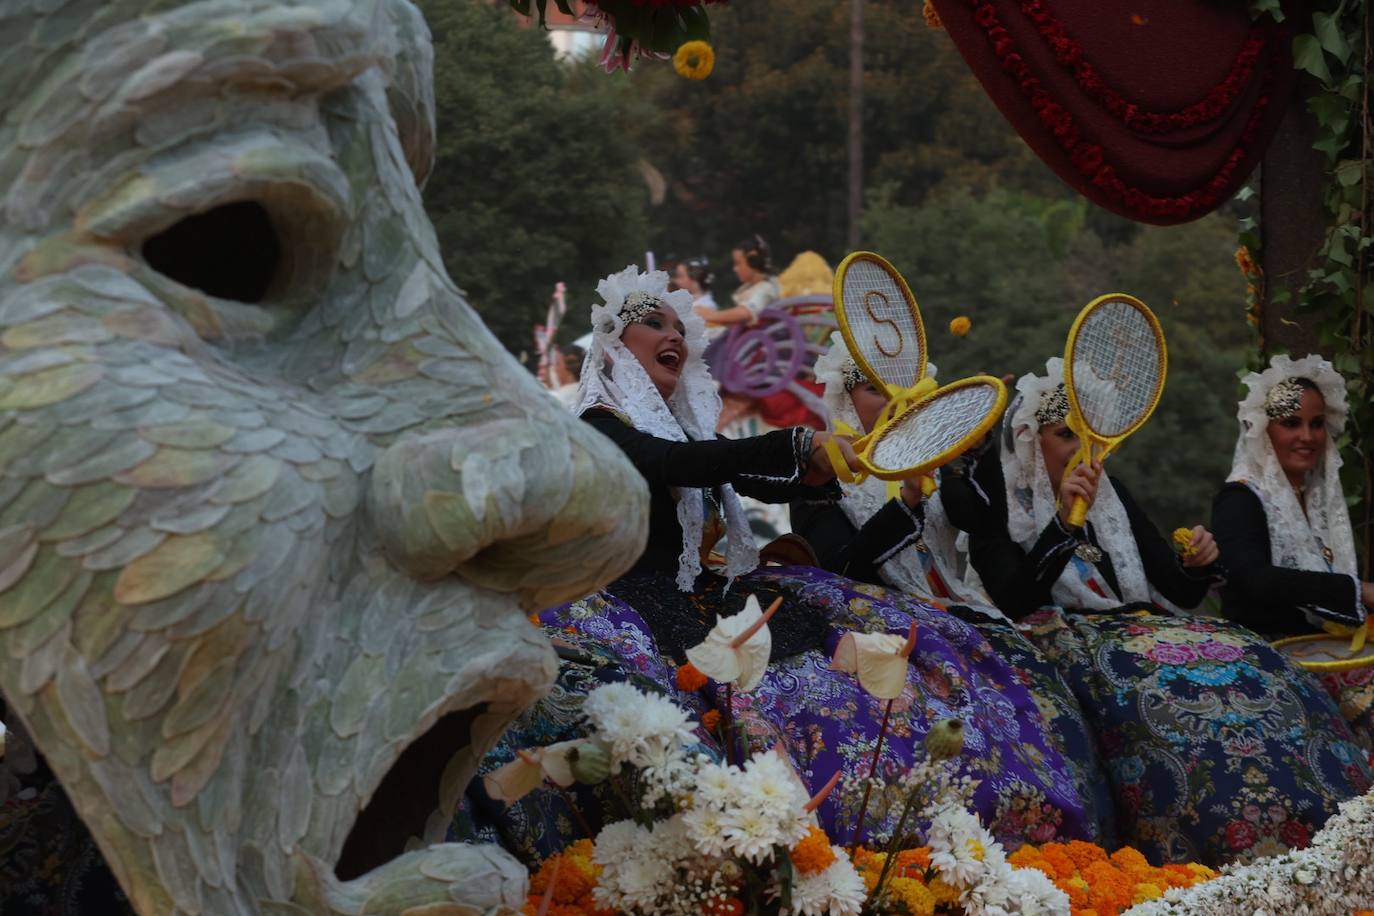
<point>1307,55</point>
<point>1260,8</point>
<point>1332,111</point>
<point>1329,34</point>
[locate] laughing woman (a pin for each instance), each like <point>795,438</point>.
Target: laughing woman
<point>1282,523</point>
<point>1217,749</point>
<point>646,387</point>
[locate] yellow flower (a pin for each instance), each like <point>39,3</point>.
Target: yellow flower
<point>944,894</point>
<point>1144,892</point>
<point>932,17</point>
<point>1183,542</point>
<point>694,60</point>
<point>913,895</point>
<point>959,327</point>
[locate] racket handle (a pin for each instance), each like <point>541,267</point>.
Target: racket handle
<point>1078,514</point>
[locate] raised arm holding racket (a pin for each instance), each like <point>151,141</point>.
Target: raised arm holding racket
<point>1115,363</point>
<point>922,426</point>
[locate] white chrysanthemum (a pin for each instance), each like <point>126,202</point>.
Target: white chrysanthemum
<point>641,729</point>
<point>706,829</point>
<point>770,783</point>
<point>992,894</point>
<point>836,891</point>
<point>718,785</point>
<point>617,840</point>
<point>1034,894</point>
<point>750,833</point>
<point>961,849</point>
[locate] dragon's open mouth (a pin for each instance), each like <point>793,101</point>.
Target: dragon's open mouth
<point>230,252</point>
<point>406,798</point>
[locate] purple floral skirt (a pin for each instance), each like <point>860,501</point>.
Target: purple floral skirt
<point>821,717</point>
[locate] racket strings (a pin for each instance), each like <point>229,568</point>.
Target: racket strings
<point>887,334</point>
<point>934,428</point>
<point>1117,369</point>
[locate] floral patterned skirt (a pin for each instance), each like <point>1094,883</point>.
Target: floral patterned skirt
<point>1353,691</point>
<point>824,720</point>
<point>1066,723</point>
<point>1216,747</point>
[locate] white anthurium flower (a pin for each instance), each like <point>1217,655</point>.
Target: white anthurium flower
<point>879,659</point>
<point>737,648</point>
<point>513,781</point>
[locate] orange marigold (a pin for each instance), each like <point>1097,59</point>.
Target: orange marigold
<point>1127,856</point>
<point>1058,859</point>
<point>1084,854</point>
<point>813,855</point>
<point>710,719</point>
<point>909,860</point>
<point>690,678</point>
<point>1077,889</point>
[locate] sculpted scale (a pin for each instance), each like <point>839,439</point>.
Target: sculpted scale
<point>273,503</point>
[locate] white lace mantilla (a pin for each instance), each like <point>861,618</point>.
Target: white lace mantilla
<point>1296,537</point>
<point>612,377</point>
<point>945,545</point>
<point>1031,505</point>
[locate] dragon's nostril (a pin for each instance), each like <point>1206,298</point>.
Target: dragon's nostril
<point>230,252</point>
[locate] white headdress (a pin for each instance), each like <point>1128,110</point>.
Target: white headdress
<point>612,377</point>
<point>1031,504</point>
<point>905,571</point>
<point>1296,537</point>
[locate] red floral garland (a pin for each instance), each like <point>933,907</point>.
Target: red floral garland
<point>1089,158</point>
<point>1069,54</point>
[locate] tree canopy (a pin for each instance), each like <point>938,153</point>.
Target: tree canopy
<point>542,177</point>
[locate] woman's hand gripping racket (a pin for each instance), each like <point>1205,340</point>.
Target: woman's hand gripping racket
<point>1115,363</point>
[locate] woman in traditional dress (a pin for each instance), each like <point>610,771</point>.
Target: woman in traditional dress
<point>645,386</point>
<point>1282,524</point>
<point>906,542</point>
<point>758,289</point>
<point>1217,748</point>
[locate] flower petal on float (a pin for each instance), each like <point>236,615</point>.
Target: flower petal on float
<point>737,648</point>
<point>878,659</point>
<point>512,781</point>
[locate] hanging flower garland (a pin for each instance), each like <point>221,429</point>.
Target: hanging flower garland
<point>643,28</point>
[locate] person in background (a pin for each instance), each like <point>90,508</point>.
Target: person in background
<point>694,275</point>
<point>758,289</point>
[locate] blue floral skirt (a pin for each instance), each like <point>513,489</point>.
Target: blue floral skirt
<point>1216,747</point>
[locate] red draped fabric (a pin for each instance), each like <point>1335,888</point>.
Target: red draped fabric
<point>1154,109</point>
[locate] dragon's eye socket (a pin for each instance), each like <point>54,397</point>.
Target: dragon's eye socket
<point>230,252</point>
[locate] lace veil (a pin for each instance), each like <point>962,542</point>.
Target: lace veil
<point>1031,506</point>
<point>613,378</point>
<point>1296,537</point>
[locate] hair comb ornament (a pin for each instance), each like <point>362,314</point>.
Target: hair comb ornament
<point>637,305</point>
<point>1283,400</point>
<point>1053,407</point>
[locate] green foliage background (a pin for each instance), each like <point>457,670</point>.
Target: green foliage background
<point>542,177</point>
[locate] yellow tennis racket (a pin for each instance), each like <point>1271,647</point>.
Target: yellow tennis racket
<point>1115,362</point>
<point>935,430</point>
<point>880,321</point>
